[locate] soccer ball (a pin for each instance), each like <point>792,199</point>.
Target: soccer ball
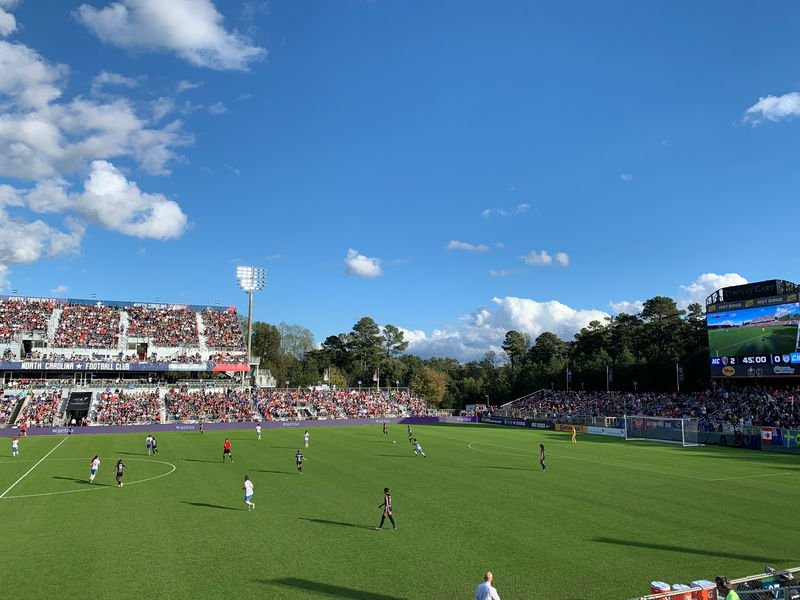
<point>394,441</point>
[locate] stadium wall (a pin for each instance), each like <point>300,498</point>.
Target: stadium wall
<point>153,427</point>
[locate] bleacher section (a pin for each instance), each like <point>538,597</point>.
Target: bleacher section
<point>74,336</point>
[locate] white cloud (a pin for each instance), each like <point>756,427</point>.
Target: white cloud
<point>26,78</point>
<point>485,329</point>
<point>274,257</point>
<point>25,242</point>
<point>118,204</point>
<point>488,212</point>
<point>625,177</point>
<point>539,259</point>
<point>456,245</point>
<point>359,265</point>
<point>8,24</point>
<point>562,258</point>
<point>773,108</point>
<point>217,108</point>
<point>502,272</point>
<point>499,245</point>
<point>701,288</point>
<point>523,207</point>
<point>106,78</point>
<point>192,29</point>
<point>59,289</point>
<point>630,308</point>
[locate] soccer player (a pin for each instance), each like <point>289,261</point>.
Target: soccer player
<point>418,448</point>
<point>201,427</point>
<point>387,509</point>
<point>226,450</point>
<point>149,443</point>
<point>24,430</point>
<point>120,466</point>
<point>300,458</point>
<point>541,457</point>
<point>95,467</point>
<point>409,432</point>
<point>384,430</point>
<point>305,438</point>
<point>574,441</point>
<point>155,446</point>
<point>258,430</point>
<point>15,446</point>
<point>248,493</point>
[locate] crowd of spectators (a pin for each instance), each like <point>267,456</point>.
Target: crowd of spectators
<point>749,405</point>
<point>222,330</point>
<point>167,327</point>
<point>7,406</point>
<point>119,407</point>
<point>206,404</point>
<point>338,404</point>
<point>17,316</point>
<point>228,358</point>
<point>87,326</point>
<point>42,409</point>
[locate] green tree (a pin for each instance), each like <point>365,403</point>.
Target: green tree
<point>266,343</point>
<point>663,322</point>
<point>393,341</point>
<point>547,346</point>
<point>430,384</point>
<point>296,340</point>
<point>515,345</point>
<point>365,344</point>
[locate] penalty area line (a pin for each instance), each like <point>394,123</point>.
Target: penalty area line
<point>32,468</point>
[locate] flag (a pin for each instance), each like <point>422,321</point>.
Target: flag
<point>766,435</point>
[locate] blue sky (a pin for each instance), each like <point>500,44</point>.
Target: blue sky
<point>456,169</point>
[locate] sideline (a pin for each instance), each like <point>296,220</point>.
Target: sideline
<point>32,468</point>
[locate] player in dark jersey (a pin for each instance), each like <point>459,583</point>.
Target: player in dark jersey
<point>384,430</point>
<point>300,458</point>
<point>387,509</point>
<point>201,427</point>
<point>155,446</point>
<point>226,450</point>
<point>541,457</point>
<point>119,469</point>
<point>409,433</point>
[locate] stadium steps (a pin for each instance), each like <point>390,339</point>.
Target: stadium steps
<point>15,413</point>
<point>125,323</point>
<point>52,324</point>
<point>21,405</point>
<point>201,334</point>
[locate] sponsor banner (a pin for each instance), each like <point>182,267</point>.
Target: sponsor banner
<point>723,367</point>
<point>606,431</point>
<point>568,427</point>
<point>151,427</point>
<point>511,422</point>
<point>540,425</point>
<point>34,365</point>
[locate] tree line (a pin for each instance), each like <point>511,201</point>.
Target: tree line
<point>625,352</point>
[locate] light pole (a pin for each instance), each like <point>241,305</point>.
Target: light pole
<point>250,279</point>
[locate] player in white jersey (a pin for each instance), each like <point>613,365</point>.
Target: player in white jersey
<point>149,442</point>
<point>418,448</point>
<point>305,438</point>
<point>258,430</point>
<point>15,446</point>
<point>248,493</point>
<point>95,467</point>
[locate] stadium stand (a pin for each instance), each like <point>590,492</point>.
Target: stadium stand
<point>222,330</point>
<point>125,408</point>
<point>42,410</point>
<point>87,326</point>
<point>18,317</point>
<point>168,327</point>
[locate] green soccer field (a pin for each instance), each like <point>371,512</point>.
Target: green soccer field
<point>752,341</point>
<point>606,518</point>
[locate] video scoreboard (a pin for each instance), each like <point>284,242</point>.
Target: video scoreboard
<point>753,331</point>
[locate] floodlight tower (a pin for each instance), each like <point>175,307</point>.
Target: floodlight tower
<point>250,279</point>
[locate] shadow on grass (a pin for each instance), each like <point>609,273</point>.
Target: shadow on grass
<point>333,591</point>
<point>507,468</point>
<point>84,481</point>
<point>339,523</point>
<point>689,550</point>
<point>207,505</point>
<point>133,453</point>
<point>268,471</point>
<point>396,455</point>
<point>201,460</point>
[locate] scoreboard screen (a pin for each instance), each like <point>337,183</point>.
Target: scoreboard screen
<point>755,338</point>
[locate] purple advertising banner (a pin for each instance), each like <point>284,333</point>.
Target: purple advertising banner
<point>177,426</point>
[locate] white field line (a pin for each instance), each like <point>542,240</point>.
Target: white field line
<point>32,468</point>
<point>92,489</point>
<point>624,466</point>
